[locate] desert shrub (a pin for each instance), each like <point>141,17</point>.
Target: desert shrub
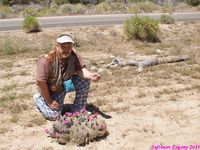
<point>103,7</point>
<point>6,2</point>
<point>94,2</point>
<point>60,2</point>
<point>146,6</point>
<point>11,2</point>
<point>13,45</point>
<point>8,47</point>
<point>17,8</point>
<point>74,1</point>
<point>66,8</point>
<point>2,15</point>
<point>118,7</point>
<point>143,28</point>
<point>5,11</point>
<point>136,1</point>
<point>134,9</point>
<point>142,7</point>
<point>168,8</point>
<point>79,9</point>
<point>193,2</point>
<point>30,24</point>
<point>47,12</point>
<point>166,19</point>
<point>30,12</point>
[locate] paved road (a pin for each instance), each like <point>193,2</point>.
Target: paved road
<point>62,21</point>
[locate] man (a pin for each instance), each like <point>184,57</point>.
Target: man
<point>60,64</point>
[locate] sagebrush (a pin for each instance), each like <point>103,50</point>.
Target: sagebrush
<point>142,28</point>
<point>31,24</point>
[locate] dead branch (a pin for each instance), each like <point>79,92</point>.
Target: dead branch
<point>144,63</point>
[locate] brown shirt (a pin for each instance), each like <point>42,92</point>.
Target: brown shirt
<point>48,71</point>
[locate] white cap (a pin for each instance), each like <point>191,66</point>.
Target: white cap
<point>64,39</point>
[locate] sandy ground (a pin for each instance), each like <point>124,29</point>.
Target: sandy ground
<point>158,106</point>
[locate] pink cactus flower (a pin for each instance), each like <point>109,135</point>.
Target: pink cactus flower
<point>95,115</point>
<point>94,127</point>
<point>77,114</point>
<point>68,114</point>
<point>66,122</point>
<point>90,118</point>
<point>57,135</point>
<point>83,110</point>
<point>46,130</point>
<point>103,127</point>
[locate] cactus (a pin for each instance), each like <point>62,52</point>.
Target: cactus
<point>79,127</point>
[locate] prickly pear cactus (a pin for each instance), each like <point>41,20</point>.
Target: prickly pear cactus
<point>79,127</point>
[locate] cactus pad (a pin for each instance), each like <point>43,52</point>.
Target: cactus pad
<point>79,127</point>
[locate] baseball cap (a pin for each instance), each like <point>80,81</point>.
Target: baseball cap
<point>65,38</point>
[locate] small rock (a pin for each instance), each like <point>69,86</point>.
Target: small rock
<point>158,51</point>
<point>101,62</point>
<point>101,70</point>
<point>112,57</point>
<point>93,68</point>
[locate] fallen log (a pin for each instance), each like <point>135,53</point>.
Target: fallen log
<point>116,61</point>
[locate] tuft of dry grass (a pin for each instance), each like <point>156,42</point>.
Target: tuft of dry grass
<point>36,121</point>
<point>3,130</point>
<point>9,87</point>
<point>15,118</point>
<point>141,93</point>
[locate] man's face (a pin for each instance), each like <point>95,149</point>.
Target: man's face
<point>64,49</point>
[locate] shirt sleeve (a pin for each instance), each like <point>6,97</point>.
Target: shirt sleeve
<point>79,62</point>
<point>42,70</point>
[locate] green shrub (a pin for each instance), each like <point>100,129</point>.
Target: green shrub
<point>193,2</point>
<point>8,47</point>
<point>11,46</point>
<point>142,7</point>
<point>118,7</point>
<point>47,12</point>
<point>166,19</point>
<point>66,8</point>
<point>168,8</point>
<point>143,28</point>
<point>30,24</point>
<point>4,11</point>
<point>103,7</point>
<point>30,12</point>
<point>146,6</point>
<point>134,9</point>
<point>60,2</point>
<point>79,9</point>
<point>136,1</point>
<point>11,2</point>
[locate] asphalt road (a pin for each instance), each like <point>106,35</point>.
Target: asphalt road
<point>64,21</point>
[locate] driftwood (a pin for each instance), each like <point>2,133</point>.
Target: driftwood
<point>144,63</point>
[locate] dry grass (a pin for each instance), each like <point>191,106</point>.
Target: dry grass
<point>3,130</point>
<point>8,87</point>
<point>36,121</point>
<point>15,118</point>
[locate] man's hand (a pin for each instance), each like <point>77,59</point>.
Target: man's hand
<point>95,76</point>
<point>86,74</point>
<point>54,105</point>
